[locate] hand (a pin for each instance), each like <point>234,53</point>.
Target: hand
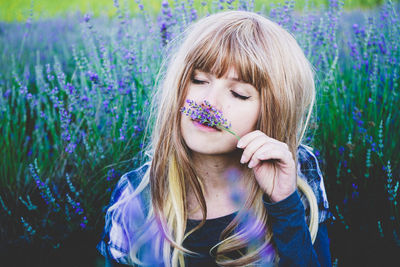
<point>259,150</point>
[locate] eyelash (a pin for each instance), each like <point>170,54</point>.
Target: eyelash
<point>195,81</point>
<point>241,97</point>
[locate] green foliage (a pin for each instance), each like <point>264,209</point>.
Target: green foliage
<point>74,102</point>
<point>18,10</point>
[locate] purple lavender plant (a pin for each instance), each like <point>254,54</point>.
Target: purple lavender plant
<point>251,228</point>
<point>207,115</point>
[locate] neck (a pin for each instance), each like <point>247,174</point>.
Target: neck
<point>213,170</point>
<point>216,171</point>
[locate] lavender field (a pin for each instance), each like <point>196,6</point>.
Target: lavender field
<point>74,103</point>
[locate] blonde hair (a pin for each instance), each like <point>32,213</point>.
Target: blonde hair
<point>264,55</point>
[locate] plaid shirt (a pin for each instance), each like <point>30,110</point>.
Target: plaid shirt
<point>115,243</point>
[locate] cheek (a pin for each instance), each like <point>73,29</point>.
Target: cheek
<point>245,120</point>
<point>191,93</point>
<point>183,123</point>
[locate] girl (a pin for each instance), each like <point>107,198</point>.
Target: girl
<point>206,198</point>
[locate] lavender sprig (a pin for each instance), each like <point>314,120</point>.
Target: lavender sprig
<point>28,228</point>
<point>207,115</point>
<point>4,206</point>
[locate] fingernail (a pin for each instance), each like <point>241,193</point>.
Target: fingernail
<point>243,159</point>
<point>251,164</point>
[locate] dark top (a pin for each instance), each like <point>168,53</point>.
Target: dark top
<point>288,219</point>
<point>291,236</point>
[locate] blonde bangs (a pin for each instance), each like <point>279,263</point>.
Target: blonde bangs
<point>220,48</point>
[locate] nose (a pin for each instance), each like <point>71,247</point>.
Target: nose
<point>213,95</point>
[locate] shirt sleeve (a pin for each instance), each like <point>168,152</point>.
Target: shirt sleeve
<point>125,212</point>
<point>308,169</point>
<point>292,237</point>
<point>290,218</point>
<point>114,244</point>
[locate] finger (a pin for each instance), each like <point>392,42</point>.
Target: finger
<point>252,147</point>
<point>256,159</point>
<point>274,152</point>
<point>247,138</point>
<point>259,154</point>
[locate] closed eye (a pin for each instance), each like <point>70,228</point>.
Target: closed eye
<point>242,97</point>
<point>197,81</point>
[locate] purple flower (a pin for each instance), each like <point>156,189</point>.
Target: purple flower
<point>84,98</point>
<point>237,195</point>
<point>130,58</point>
<point>207,115</point>
<point>70,88</point>
<point>7,93</point>
<point>70,148</point>
<point>93,76</point>
<point>166,21</point>
<point>86,18</point>
<point>341,150</point>
<point>111,174</point>
<point>44,189</point>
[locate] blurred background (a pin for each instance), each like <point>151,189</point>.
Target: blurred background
<point>19,10</point>
<point>76,79</point>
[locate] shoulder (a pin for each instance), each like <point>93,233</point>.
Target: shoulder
<point>308,160</point>
<point>308,169</point>
<point>130,192</point>
<point>135,176</point>
<point>128,183</point>
<point>128,207</point>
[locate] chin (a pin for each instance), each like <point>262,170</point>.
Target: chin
<point>211,148</point>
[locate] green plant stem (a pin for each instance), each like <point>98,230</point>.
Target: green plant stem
<point>229,131</point>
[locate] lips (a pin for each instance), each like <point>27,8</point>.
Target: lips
<point>205,127</point>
